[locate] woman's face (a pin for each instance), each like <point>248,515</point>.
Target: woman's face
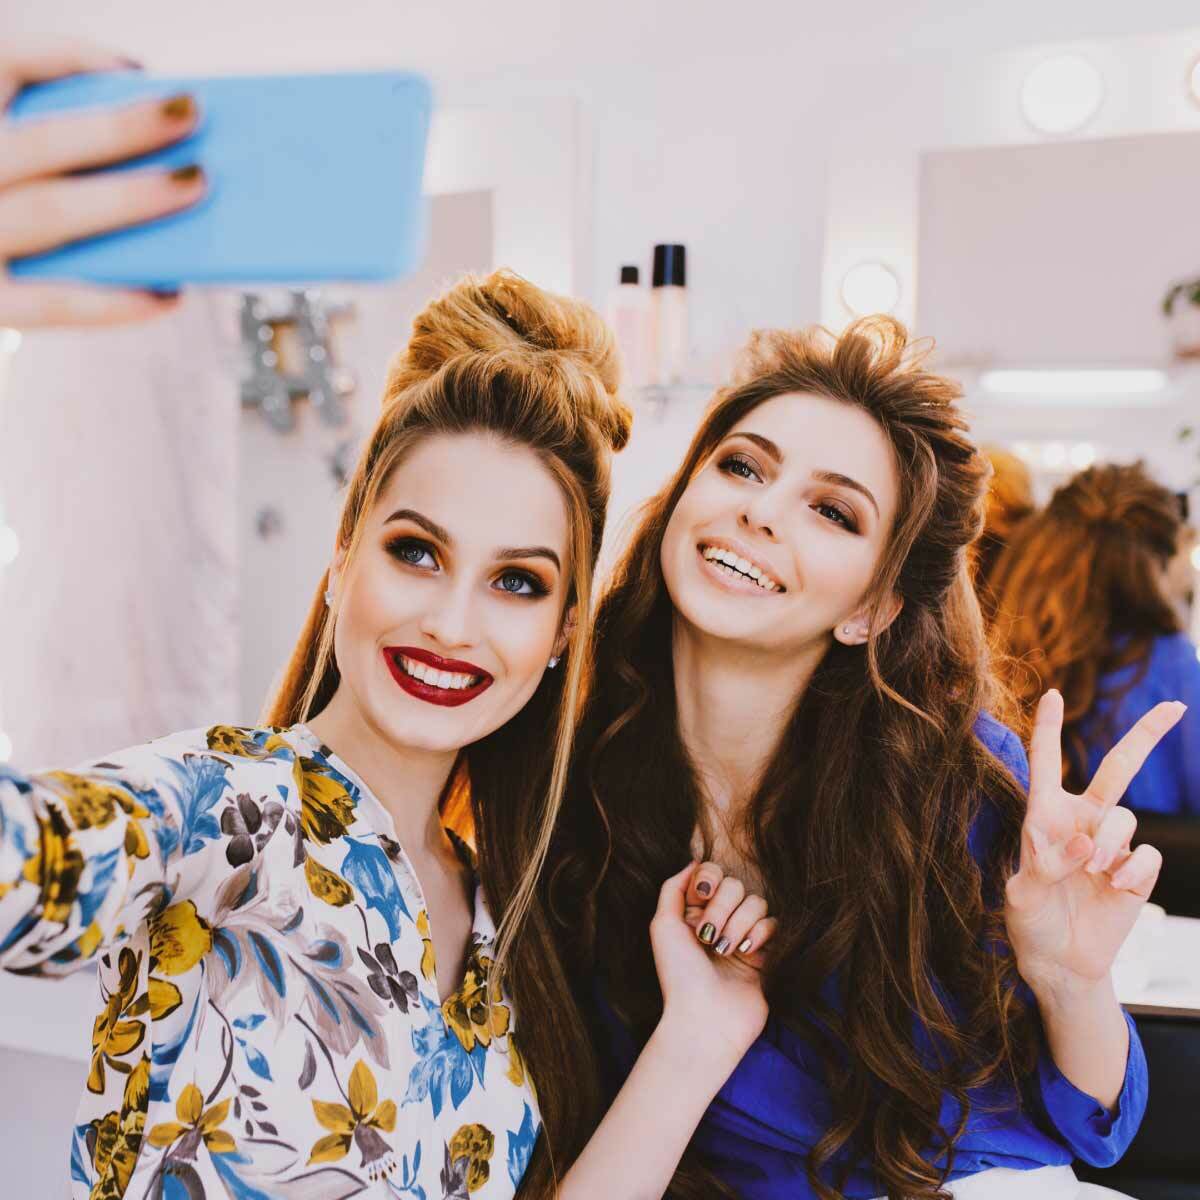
<point>777,538</point>
<point>453,604</point>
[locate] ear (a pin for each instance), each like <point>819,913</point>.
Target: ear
<point>336,565</point>
<point>855,629</point>
<point>565,633</point>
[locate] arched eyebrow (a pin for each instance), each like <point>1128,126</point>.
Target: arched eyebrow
<point>438,533</point>
<point>772,451</point>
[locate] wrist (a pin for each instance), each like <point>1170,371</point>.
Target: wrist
<point>696,1050</point>
<point>1064,993</point>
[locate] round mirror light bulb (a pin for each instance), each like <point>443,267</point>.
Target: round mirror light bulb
<point>870,287</point>
<point>1062,94</point>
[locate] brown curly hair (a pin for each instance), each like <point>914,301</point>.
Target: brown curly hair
<point>860,823</point>
<point>1079,595</point>
<point>1009,502</point>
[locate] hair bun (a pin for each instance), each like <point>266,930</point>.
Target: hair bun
<point>536,331</point>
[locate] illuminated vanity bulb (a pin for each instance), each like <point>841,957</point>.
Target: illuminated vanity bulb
<point>1062,94</point>
<point>10,546</point>
<point>870,287</point>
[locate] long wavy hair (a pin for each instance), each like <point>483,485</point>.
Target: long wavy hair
<point>1009,501</point>
<point>859,826</point>
<point>540,371</point>
<point>1079,595</point>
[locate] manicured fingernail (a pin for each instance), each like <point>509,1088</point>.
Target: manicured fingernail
<point>1099,862</point>
<point>178,108</point>
<point>1121,878</point>
<point>704,887</point>
<point>165,293</point>
<point>131,63</point>
<point>192,173</point>
<point>722,947</point>
<point>744,948</point>
<point>708,931</point>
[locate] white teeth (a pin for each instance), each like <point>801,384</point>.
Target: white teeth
<point>451,681</point>
<point>740,567</point>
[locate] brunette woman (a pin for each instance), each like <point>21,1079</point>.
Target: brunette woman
<point>792,680</point>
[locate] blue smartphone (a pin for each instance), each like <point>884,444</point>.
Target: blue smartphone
<point>310,178</point>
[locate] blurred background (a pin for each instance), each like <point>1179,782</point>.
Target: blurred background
<point>1016,181</point>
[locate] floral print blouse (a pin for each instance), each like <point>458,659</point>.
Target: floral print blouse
<point>270,1023</point>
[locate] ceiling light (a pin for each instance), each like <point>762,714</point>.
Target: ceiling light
<point>1082,455</point>
<point>870,287</point>
<point>9,545</point>
<point>1062,94</point>
<point>1084,385</point>
<point>10,339</point>
<point>1194,81</point>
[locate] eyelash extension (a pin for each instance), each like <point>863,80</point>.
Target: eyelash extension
<point>539,589</point>
<point>844,519</point>
<point>397,546</point>
<point>729,461</point>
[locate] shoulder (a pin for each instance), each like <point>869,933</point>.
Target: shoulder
<point>1004,745</point>
<point>1175,650</point>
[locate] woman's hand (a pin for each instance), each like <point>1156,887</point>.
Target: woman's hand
<point>712,999</point>
<point>44,205</point>
<point>1079,888</point>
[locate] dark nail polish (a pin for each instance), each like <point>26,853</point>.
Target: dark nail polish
<point>179,108</point>
<point>189,174</point>
<point>708,931</point>
<point>704,887</point>
<point>165,293</point>
<point>131,64</point>
<point>722,947</point>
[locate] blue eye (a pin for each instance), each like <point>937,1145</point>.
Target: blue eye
<point>520,583</point>
<point>413,552</point>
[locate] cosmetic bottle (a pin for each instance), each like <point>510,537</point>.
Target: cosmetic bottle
<point>668,315</point>
<point>629,318</point>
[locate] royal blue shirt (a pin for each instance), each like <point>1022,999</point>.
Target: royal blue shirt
<point>775,1106</point>
<point>1170,780</point>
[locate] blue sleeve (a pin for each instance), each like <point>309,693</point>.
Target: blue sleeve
<point>1088,1129</point>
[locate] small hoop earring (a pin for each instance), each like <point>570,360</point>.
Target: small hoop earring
<point>329,597</point>
<point>553,661</point>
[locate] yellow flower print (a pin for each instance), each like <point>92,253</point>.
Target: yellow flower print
<point>94,805</point>
<point>116,1138</point>
<point>516,1065</point>
<point>196,1124</point>
<point>325,884</point>
<point>113,1034</point>
<point>179,939</point>
<point>359,1124</point>
<point>475,1143</point>
<point>326,808</point>
<point>428,960</point>
<point>55,868</point>
<point>469,1014</point>
<point>234,739</point>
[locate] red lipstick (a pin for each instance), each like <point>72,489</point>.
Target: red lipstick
<point>447,697</point>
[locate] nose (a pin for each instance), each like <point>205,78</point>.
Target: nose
<point>759,514</point>
<point>452,618</point>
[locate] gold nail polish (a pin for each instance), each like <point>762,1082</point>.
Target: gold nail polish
<point>722,947</point>
<point>189,174</point>
<point>744,948</point>
<point>708,932</point>
<point>178,108</point>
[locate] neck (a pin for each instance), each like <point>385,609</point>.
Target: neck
<point>408,782</point>
<point>733,703</point>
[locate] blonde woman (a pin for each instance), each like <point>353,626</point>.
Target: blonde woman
<point>310,988</point>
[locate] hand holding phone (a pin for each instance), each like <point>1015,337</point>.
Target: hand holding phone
<point>43,205</point>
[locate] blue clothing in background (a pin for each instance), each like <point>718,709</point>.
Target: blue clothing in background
<point>1170,780</point>
<point>773,1109</point>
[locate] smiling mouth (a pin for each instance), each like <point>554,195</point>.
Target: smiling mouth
<point>436,680</point>
<point>736,567</point>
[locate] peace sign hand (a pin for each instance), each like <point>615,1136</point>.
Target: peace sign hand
<point>1079,888</point>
